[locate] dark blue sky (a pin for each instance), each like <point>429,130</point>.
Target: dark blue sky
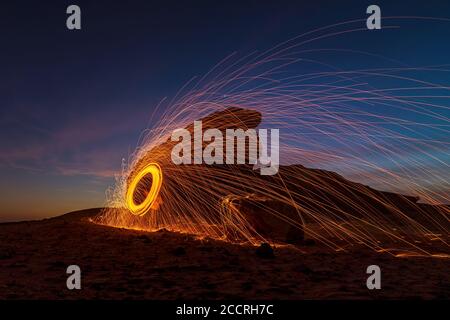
<point>73,103</point>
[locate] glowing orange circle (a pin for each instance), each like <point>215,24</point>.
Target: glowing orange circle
<point>141,209</point>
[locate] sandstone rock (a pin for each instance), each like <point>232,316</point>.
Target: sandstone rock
<point>269,219</point>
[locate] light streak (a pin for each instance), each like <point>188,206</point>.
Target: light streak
<point>358,135</point>
<point>142,208</point>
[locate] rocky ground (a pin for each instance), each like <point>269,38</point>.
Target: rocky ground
<point>129,264</point>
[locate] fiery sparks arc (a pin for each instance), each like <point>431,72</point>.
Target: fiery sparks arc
<point>355,168</point>
<point>142,208</point>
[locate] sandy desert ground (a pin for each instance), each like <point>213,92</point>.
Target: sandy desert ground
<point>129,264</point>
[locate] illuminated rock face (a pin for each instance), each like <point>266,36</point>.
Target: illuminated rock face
<point>269,218</point>
<point>236,203</point>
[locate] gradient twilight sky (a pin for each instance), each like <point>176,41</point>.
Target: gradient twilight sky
<point>73,103</point>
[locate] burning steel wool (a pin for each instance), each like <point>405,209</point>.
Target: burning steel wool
<point>353,169</point>
<point>140,208</point>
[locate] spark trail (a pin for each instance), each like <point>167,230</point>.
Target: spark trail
<point>363,162</point>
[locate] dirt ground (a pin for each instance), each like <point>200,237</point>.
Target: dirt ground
<point>128,264</point>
